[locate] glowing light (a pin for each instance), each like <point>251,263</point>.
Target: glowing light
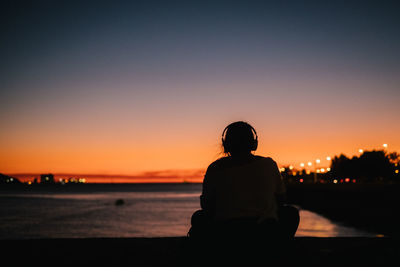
<point>282,169</point>
<point>328,169</point>
<point>291,167</point>
<point>396,171</point>
<point>347,180</point>
<point>353,181</point>
<point>302,164</point>
<point>385,145</point>
<point>309,163</point>
<point>322,170</point>
<point>301,180</point>
<point>328,158</point>
<point>360,150</point>
<point>317,160</point>
<point>335,181</point>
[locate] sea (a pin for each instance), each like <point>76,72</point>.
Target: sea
<point>147,210</point>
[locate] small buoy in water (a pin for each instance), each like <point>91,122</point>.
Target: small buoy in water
<point>119,202</point>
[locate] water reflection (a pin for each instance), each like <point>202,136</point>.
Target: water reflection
<point>313,224</point>
<point>143,214</point>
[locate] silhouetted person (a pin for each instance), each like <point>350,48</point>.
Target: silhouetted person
<point>243,197</point>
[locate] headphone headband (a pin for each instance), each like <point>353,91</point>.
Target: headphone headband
<point>255,136</point>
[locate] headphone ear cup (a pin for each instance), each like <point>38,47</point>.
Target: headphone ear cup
<point>224,145</point>
<point>255,145</point>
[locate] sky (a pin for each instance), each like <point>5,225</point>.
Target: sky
<point>144,87</point>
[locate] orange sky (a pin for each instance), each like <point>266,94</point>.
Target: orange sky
<point>138,91</point>
<point>177,158</point>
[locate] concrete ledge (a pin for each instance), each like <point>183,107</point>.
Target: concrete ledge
<point>178,251</point>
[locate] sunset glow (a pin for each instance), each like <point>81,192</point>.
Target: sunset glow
<point>145,95</point>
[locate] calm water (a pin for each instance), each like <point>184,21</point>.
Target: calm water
<point>149,211</point>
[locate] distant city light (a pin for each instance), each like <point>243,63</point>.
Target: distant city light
<point>301,180</point>
<point>335,181</point>
<point>317,160</point>
<point>309,163</point>
<point>328,158</point>
<point>360,150</point>
<point>385,145</point>
<point>328,169</point>
<point>291,167</point>
<point>301,164</point>
<point>396,171</point>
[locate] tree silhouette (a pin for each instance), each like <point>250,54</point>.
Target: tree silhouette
<point>375,165</point>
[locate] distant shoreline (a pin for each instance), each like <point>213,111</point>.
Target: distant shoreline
<point>160,176</point>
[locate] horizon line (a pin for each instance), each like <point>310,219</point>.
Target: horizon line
<point>163,176</point>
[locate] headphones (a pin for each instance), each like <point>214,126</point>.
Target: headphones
<point>254,142</point>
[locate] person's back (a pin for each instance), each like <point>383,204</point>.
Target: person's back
<point>242,188</point>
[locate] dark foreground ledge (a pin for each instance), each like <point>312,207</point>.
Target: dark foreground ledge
<point>178,251</point>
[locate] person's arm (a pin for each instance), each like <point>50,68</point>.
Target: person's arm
<point>207,198</point>
<point>281,199</point>
<point>280,192</point>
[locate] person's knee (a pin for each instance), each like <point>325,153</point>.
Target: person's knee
<point>289,219</point>
<point>200,217</point>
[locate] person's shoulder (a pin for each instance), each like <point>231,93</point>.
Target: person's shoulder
<point>267,162</point>
<point>218,164</point>
<point>266,159</point>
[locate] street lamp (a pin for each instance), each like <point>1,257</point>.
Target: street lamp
<point>317,161</point>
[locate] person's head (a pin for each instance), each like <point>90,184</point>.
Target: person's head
<point>239,138</point>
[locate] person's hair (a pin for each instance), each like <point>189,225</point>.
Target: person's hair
<point>239,137</point>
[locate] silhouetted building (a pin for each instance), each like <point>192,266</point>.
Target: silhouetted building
<point>5,179</point>
<point>47,178</point>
